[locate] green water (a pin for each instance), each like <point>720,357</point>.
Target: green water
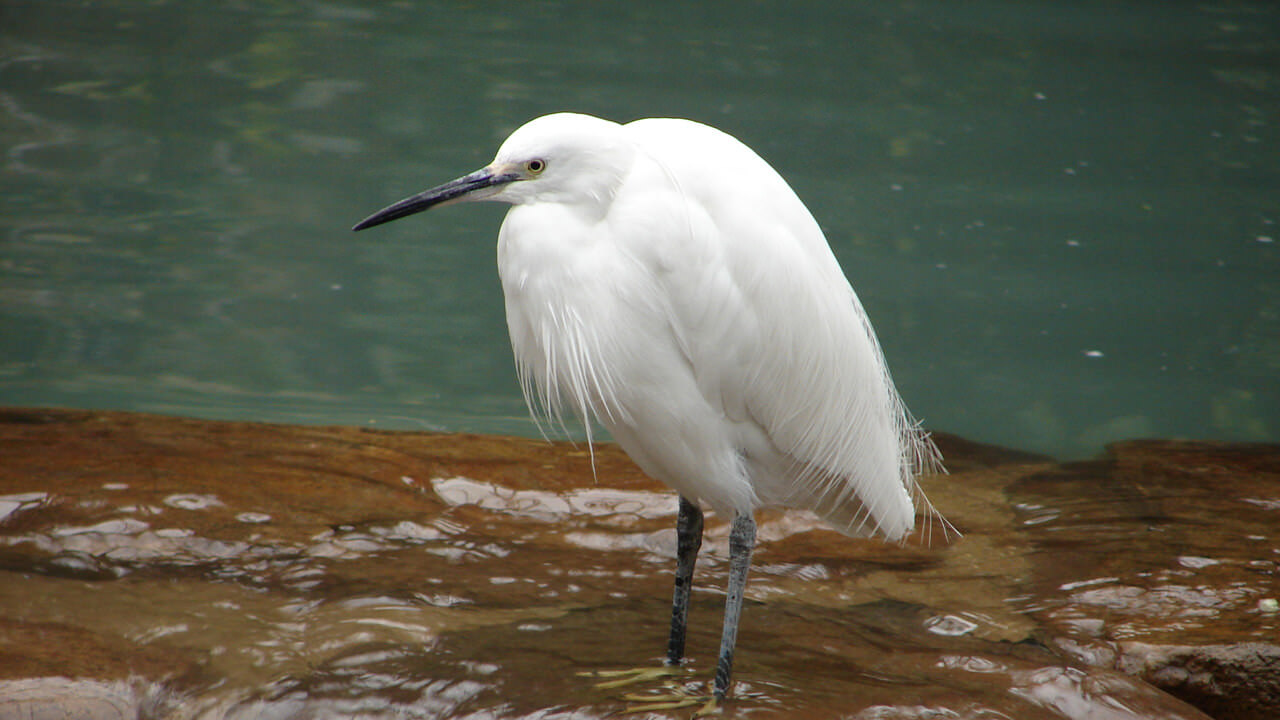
<point>1062,216</point>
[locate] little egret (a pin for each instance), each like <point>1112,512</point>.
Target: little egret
<point>663,279</point>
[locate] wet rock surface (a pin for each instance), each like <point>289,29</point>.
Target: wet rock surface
<point>174,568</point>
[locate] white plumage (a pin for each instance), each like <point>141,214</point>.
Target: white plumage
<point>662,278</point>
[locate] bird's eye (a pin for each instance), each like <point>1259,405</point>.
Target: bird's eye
<point>535,166</point>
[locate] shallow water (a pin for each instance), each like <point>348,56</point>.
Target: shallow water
<point>183,569</point>
<point>1060,215</point>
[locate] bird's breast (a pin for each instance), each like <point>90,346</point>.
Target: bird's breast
<point>585,328</point>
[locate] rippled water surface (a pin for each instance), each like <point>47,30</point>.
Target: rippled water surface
<point>1060,215</point>
<point>183,569</point>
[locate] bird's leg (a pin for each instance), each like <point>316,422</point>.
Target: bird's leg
<point>742,540</point>
<point>688,542</point>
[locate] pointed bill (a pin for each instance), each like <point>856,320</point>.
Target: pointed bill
<point>474,186</point>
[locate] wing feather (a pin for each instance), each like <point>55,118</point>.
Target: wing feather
<point>778,339</point>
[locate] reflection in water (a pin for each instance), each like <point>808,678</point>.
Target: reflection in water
<point>547,506</point>
<point>13,504</point>
<point>950,625</point>
<point>359,590</point>
<point>67,697</point>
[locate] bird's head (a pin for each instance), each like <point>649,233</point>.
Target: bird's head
<point>562,158</point>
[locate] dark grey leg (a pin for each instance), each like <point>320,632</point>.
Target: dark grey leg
<point>742,540</point>
<point>688,542</point>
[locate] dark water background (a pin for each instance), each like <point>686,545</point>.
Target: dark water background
<point>1062,216</point>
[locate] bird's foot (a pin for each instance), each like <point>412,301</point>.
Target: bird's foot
<point>621,678</point>
<point>676,699</point>
<point>671,695</point>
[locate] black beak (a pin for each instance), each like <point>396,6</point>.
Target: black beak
<point>439,195</point>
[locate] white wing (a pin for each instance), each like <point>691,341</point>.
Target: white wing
<point>778,340</point>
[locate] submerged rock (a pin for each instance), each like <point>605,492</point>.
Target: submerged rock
<point>1162,560</point>
<point>176,568</point>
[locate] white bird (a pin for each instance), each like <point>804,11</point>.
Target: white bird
<point>663,279</point>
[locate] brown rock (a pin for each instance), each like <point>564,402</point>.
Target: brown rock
<point>173,567</point>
